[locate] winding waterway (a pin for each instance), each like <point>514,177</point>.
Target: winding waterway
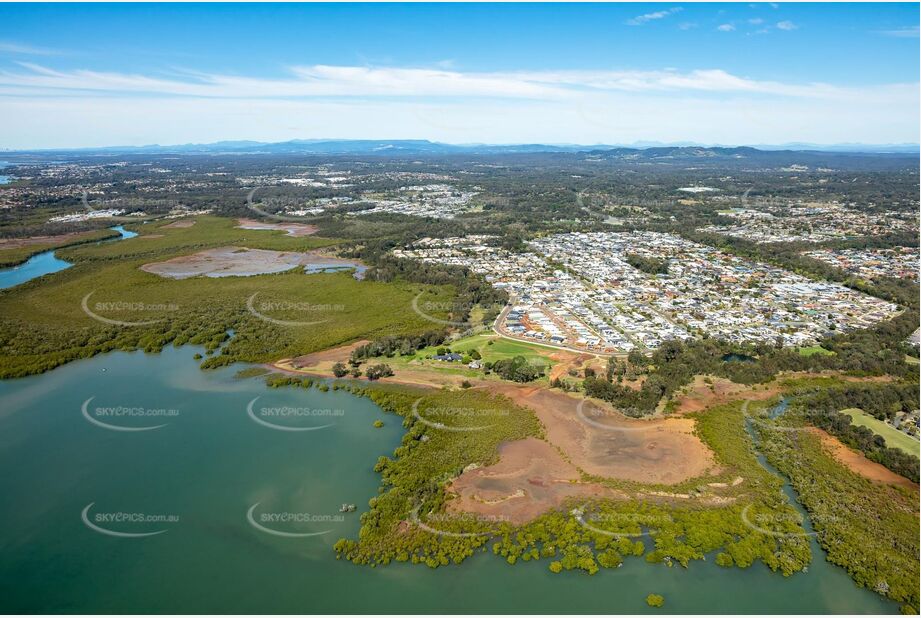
<point>45,263</point>
<point>207,464</point>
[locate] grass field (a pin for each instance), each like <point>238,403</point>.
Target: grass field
<point>44,322</point>
<point>815,349</point>
<point>894,438</point>
<point>501,348</point>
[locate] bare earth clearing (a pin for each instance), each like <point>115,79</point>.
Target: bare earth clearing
<point>323,360</point>
<point>240,262</point>
<point>603,442</point>
<point>293,229</point>
<point>856,462</point>
<point>529,479</point>
<point>533,476</point>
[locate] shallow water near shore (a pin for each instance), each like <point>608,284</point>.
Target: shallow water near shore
<point>206,464</point>
<point>45,263</point>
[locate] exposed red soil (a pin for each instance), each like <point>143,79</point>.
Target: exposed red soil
<point>857,462</point>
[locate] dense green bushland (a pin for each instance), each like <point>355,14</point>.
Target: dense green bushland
<point>44,323</point>
<point>869,529</point>
<point>822,408</point>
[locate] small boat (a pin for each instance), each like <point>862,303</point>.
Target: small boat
<point>347,508</point>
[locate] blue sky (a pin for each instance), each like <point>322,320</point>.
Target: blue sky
<point>103,74</point>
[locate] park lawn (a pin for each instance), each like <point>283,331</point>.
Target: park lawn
<point>894,438</point>
<point>500,349</point>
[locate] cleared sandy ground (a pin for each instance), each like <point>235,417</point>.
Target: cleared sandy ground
<point>324,359</point>
<point>293,229</point>
<point>240,262</point>
<point>604,443</point>
<point>856,462</point>
<point>529,479</point>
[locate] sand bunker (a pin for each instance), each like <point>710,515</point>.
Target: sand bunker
<point>530,478</point>
<point>605,443</point>
<point>243,262</point>
<point>293,229</point>
<point>858,463</point>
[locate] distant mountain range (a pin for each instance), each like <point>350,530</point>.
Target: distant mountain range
<point>424,147</point>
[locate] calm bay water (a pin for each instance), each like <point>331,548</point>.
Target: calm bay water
<point>210,463</point>
<point>44,263</point>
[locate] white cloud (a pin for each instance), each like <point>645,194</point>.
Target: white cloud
<point>755,21</point>
<point>726,28</point>
<point>686,25</point>
<point>317,81</point>
<point>786,25</point>
<point>44,107</point>
<point>639,20</point>
<point>9,47</point>
<point>615,118</point>
<point>903,33</point>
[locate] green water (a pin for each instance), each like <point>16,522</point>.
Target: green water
<point>210,463</point>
